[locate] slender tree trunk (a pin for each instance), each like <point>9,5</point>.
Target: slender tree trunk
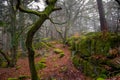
<point>31,52</point>
<point>66,32</point>
<point>14,41</point>
<point>103,23</point>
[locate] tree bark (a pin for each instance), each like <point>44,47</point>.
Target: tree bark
<point>13,34</point>
<point>103,23</point>
<point>31,52</point>
<point>42,17</point>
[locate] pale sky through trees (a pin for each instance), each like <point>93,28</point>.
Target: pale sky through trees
<point>39,6</point>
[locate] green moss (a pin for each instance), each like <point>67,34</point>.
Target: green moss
<point>76,61</point>
<point>13,79</point>
<point>41,64</point>
<point>3,64</point>
<point>22,77</point>
<point>45,39</point>
<point>103,76</point>
<point>18,67</point>
<point>43,60</point>
<point>41,45</point>
<point>61,55</point>
<point>88,68</point>
<point>93,57</point>
<point>58,51</point>
<point>100,79</point>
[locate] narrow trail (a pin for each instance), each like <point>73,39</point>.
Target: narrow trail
<point>61,68</point>
<point>57,68</point>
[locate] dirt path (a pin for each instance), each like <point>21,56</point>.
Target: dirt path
<point>57,68</point>
<point>60,68</point>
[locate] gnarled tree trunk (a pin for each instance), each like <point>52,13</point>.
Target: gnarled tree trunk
<point>31,52</point>
<point>42,17</point>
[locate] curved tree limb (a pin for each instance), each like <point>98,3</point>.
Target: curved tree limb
<point>20,7</point>
<point>50,7</point>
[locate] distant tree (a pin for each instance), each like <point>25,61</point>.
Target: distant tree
<point>72,11</point>
<point>11,29</point>
<point>103,23</point>
<point>112,15</point>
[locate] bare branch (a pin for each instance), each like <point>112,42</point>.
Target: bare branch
<point>57,8</point>
<point>48,9</point>
<point>56,22</point>
<point>22,9</point>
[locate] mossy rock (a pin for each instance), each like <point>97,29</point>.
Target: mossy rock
<point>89,66</point>
<point>61,55</point>
<point>41,45</point>
<point>93,53</point>
<point>3,64</point>
<point>94,43</point>
<point>45,39</point>
<point>17,67</point>
<point>76,61</point>
<point>42,60</point>
<point>40,65</point>
<point>100,79</point>
<point>58,51</point>
<point>12,79</point>
<point>22,77</point>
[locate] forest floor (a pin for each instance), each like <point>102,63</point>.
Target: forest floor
<point>57,68</point>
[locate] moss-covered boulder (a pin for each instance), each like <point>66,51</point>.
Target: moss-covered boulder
<point>61,55</point>
<point>21,77</point>
<point>44,43</point>
<point>96,54</point>
<point>60,52</point>
<point>41,64</point>
<point>12,79</point>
